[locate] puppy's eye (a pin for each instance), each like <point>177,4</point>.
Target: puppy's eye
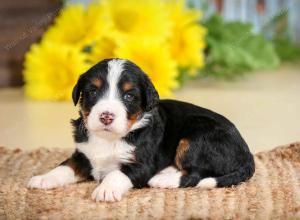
<point>128,97</point>
<point>93,93</point>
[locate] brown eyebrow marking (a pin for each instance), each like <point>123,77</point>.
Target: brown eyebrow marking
<point>127,86</point>
<point>97,82</point>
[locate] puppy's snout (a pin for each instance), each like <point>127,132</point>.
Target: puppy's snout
<point>107,117</point>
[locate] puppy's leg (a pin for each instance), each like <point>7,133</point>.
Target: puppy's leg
<point>116,183</point>
<point>185,172</point>
<point>194,179</point>
<point>74,169</point>
<point>194,168</point>
<point>167,178</point>
<point>59,176</point>
<point>113,186</point>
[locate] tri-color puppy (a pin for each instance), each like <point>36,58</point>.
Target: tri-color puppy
<point>126,137</point>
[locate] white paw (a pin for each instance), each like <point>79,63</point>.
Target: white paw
<point>106,193</point>
<point>59,176</point>
<point>166,179</point>
<point>209,182</point>
<point>113,186</point>
<point>43,182</point>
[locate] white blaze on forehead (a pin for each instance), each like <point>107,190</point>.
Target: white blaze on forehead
<point>115,69</point>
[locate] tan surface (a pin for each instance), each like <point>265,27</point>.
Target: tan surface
<point>264,106</point>
<point>272,193</point>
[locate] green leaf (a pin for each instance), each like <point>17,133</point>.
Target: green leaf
<point>286,50</point>
<point>232,49</point>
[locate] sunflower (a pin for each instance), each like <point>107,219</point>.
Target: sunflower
<point>78,26</point>
<point>155,60</point>
<point>51,70</point>
<point>162,37</point>
<point>104,48</point>
<point>136,18</point>
<point>187,47</point>
<point>187,40</point>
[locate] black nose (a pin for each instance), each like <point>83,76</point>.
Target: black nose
<point>107,118</point>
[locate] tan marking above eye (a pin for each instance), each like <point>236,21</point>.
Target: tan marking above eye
<point>182,147</point>
<point>127,86</point>
<point>97,82</point>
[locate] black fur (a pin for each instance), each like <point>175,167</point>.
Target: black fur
<point>81,165</point>
<point>80,132</point>
<point>149,93</point>
<point>216,148</point>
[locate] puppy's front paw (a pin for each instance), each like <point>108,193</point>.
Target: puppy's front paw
<point>59,176</point>
<point>107,193</point>
<point>113,186</point>
<point>43,182</point>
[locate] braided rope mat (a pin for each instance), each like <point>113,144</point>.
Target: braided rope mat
<point>272,193</point>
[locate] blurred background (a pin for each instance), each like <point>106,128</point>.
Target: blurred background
<point>239,58</point>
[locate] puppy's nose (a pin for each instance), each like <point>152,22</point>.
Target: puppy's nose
<point>107,118</point>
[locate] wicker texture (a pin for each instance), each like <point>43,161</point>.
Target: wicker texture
<point>272,193</point>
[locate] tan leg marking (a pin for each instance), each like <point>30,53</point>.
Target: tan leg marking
<point>182,147</point>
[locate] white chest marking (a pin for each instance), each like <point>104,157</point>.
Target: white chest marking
<point>105,156</point>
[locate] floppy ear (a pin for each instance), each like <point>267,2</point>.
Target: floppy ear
<point>76,91</point>
<point>151,94</point>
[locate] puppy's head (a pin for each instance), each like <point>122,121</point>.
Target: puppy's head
<point>115,95</point>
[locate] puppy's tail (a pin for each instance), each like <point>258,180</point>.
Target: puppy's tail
<point>234,178</point>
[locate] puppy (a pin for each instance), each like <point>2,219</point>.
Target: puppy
<point>126,137</point>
